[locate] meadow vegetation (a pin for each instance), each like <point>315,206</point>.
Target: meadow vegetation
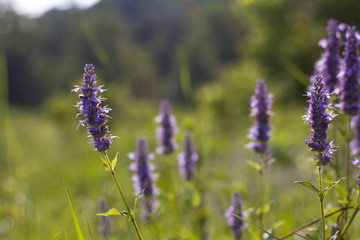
<point>42,148</point>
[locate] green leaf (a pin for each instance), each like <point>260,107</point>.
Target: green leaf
<point>309,185</point>
<point>79,234</point>
<point>254,164</point>
<point>342,131</point>
<point>344,202</point>
<point>136,200</point>
<point>114,161</point>
<point>327,189</point>
<point>341,190</point>
<point>106,163</point>
<point>111,212</point>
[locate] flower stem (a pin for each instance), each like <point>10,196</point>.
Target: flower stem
<point>321,199</point>
<point>131,215</point>
<point>348,223</point>
<point>260,196</point>
<point>347,173</point>
<point>347,170</point>
<point>336,153</point>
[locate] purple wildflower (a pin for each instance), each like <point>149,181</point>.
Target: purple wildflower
<point>105,222</point>
<point>89,106</point>
<point>167,129</point>
<point>237,225</point>
<point>144,177</point>
<point>329,63</point>
<point>260,109</point>
<point>318,117</point>
<point>356,162</point>
<point>188,158</point>
<point>355,143</point>
<point>349,100</point>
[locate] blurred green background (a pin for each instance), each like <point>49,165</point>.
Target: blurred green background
<point>205,56</point>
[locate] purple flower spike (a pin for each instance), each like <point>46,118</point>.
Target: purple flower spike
<point>188,159</point>
<point>167,129</point>
<point>237,225</point>
<point>144,177</point>
<point>260,109</point>
<point>356,162</point>
<point>318,117</point>
<point>329,63</point>
<point>105,222</point>
<point>89,106</point>
<point>349,100</point>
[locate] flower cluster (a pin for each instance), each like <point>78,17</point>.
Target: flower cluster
<point>105,222</point>
<point>144,177</point>
<point>318,117</point>
<point>350,74</point>
<point>167,129</point>
<point>237,225</point>
<point>89,106</point>
<point>356,162</point>
<point>329,63</point>
<point>188,159</point>
<point>260,109</point>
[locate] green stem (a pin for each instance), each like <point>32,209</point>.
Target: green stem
<point>336,161</point>
<point>321,199</point>
<point>260,196</point>
<point>348,223</point>
<point>347,173</point>
<point>131,215</point>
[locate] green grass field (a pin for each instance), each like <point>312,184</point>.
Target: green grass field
<point>43,149</point>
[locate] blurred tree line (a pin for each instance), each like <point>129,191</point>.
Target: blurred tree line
<point>160,48</point>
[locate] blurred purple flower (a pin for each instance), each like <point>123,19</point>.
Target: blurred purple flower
<point>167,129</point>
<point>260,109</point>
<point>318,117</point>
<point>349,99</point>
<point>329,63</point>
<point>356,162</point>
<point>89,106</point>
<point>188,158</point>
<point>237,225</point>
<point>144,177</point>
<point>105,222</point>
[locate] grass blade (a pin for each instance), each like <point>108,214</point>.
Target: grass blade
<point>76,221</point>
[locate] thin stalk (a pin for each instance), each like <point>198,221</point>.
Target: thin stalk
<point>347,169</point>
<point>321,199</point>
<point>260,196</point>
<point>348,223</point>
<point>347,166</point>
<point>131,215</point>
<point>336,153</point>
<point>314,221</point>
